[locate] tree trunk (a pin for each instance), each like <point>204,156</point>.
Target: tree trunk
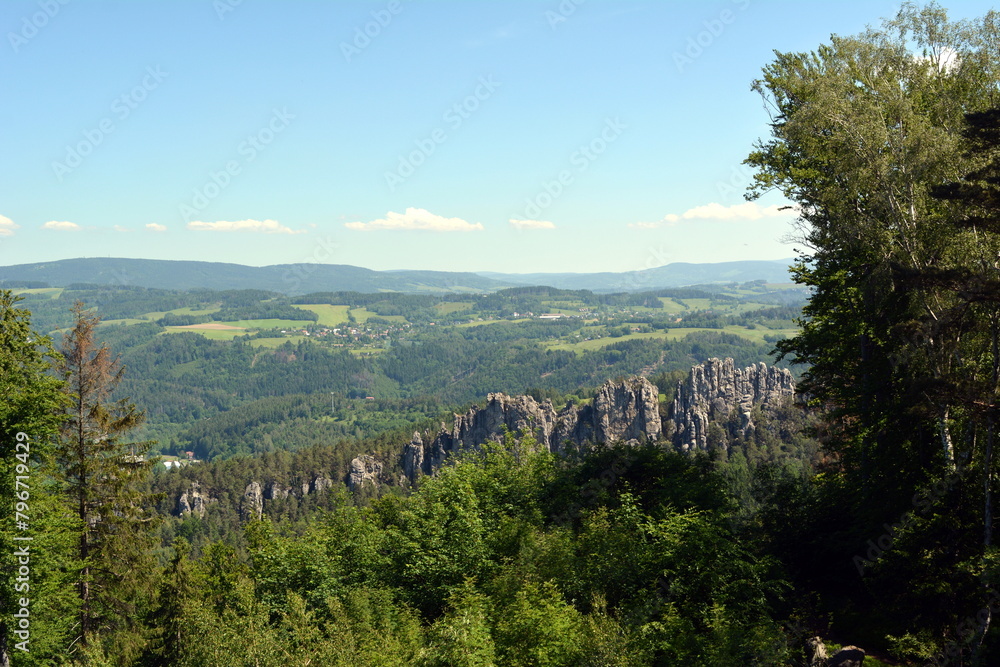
<point>946,443</point>
<point>987,485</point>
<point>4,656</point>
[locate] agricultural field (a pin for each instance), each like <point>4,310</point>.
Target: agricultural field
<point>329,316</point>
<point>53,292</point>
<point>187,310</point>
<point>210,330</point>
<point>361,315</point>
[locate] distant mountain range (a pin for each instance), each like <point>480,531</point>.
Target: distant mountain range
<point>677,274</point>
<point>297,279</point>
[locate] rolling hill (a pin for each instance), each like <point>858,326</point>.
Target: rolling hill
<point>295,279</point>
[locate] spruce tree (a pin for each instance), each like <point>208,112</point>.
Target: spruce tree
<point>105,482</point>
<point>31,402</point>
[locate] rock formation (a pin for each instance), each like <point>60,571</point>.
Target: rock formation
<point>816,652</point>
<point>321,484</point>
<point>364,469</point>
<point>413,456</point>
<point>624,410</point>
<point>849,656</point>
<point>252,506</point>
<point>276,491</point>
<point>627,410</point>
<point>193,501</point>
<point>716,388</point>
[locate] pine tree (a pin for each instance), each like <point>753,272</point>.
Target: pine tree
<point>31,402</point>
<point>104,480</point>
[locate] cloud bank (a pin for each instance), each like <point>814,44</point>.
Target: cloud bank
<point>7,226</point>
<point>63,226</point>
<point>416,219</point>
<point>532,224</point>
<point>252,226</point>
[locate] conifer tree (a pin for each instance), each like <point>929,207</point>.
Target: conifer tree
<point>975,286</point>
<point>104,482</point>
<point>30,406</point>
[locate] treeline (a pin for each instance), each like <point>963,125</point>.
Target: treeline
<point>508,557</point>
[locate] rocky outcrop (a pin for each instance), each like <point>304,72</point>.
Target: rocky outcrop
<point>252,506</point>
<point>413,456</point>
<point>364,470</point>
<point>849,656</point>
<point>624,410</point>
<point>816,652</point>
<point>193,501</point>
<point>716,388</point>
<point>627,410</point>
<point>322,484</point>
<point>276,491</point>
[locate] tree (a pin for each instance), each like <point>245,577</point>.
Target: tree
<point>31,402</point>
<point>974,285</point>
<point>899,330</point>
<point>862,129</point>
<point>103,478</point>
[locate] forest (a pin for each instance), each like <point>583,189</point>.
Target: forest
<point>861,513</point>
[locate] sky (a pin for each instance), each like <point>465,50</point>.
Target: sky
<point>544,136</point>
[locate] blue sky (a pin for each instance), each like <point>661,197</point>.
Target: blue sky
<point>496,136</point>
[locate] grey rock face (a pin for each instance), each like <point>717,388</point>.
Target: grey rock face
<point>626,410</point>
<point>321,484</point>
<point>364,469</point>
<point>413,457</point>
<point>193,501</point>
<point>276,491</point>
<point>252,506</point>
<point>717,387</point>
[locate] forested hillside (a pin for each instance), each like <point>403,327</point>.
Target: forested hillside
<point>355,494</point>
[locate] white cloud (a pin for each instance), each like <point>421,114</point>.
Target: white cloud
<point>256,226</point>
<point>119,228</point>
<point>156,227</point>
<point>746,211</point>
<point>7,226</point>
<point>62,226</point>
<point>419,219</point>
<point>532,224</point>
